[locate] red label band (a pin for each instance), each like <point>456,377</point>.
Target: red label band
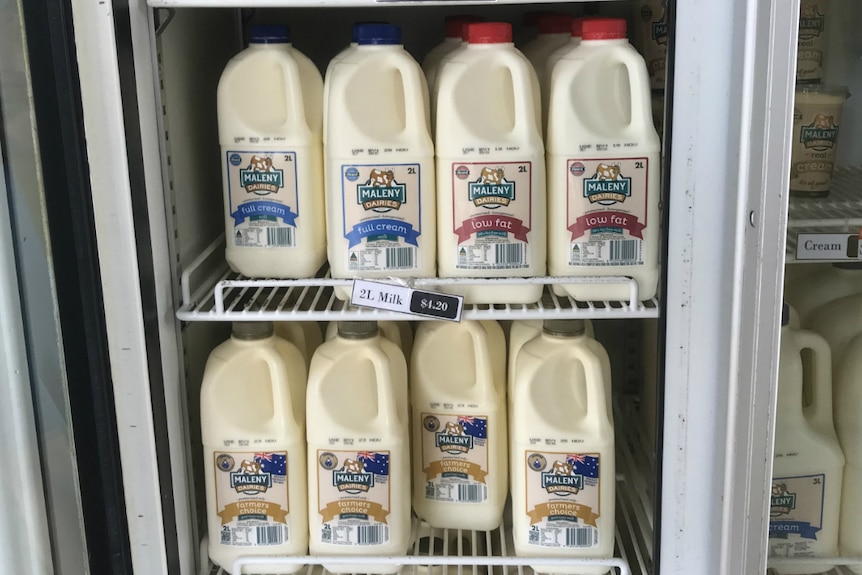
<point>607,220</point>
<point>488,223</point>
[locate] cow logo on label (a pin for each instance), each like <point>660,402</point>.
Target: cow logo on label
<point>250,478</point>
<point>491,190</point>
<point>608,186</point>
<point>224,462</point>
<point>453,439</point>
<point>380,192</point>
<point>811,21</point>
<point>782,502</point>
<point>260,177</point>
<point>820,134</point>
<point>561,479</point>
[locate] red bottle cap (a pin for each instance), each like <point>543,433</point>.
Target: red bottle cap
<point>456,24</point>
<point>578,27</point>
<point>489,33</point>
<point>604,29</point>
<point>554,24</point>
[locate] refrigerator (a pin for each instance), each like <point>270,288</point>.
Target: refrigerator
<point>115,287</point>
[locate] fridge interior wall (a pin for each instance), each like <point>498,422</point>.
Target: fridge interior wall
<point>193,48</point>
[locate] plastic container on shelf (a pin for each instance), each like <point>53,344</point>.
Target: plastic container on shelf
<point>490,168</point>
<point>811,40</point>
<point>603,167</point>
<point>305,335</point>
<point>838,322</point>
<point>270,129</point>
<point>554,31</point>
<point>816,119</point>
<point>808,464</point>
<point>454,34</point>
<point>848,424</point>
<point>458,390</point>
<point>563,485</point>
<point>379,162</point>
<point>358,449</point>
<point>808,292</point>
<point>398,332</point>
<point>253,435</point>
<point>651,38</point>
<point>544,73</point>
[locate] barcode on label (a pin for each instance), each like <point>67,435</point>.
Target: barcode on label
<point>369,534</point>
<point>225,535</point>
<point>280,237</point>
<point>470,493</point>
<point>270,535</point>
<point>399,258</point>
<point>510,254</point>
<point>624,250</point>
<point>429,490</point>
<point>581,537</point>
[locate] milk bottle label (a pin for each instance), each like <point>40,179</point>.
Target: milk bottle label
<point>563,499</point>
<point>353,497</point>
<point>263,198</point>
<point>455,457</point>
<point>251,497</point>
<point>491,203</point>
<point>607,208</point>
<point>382,222</point>
<point>796,509</point>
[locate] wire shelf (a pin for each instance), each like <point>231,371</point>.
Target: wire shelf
<point>211,292</point>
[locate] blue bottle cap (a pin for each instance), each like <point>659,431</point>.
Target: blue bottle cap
<point>378,34</point>
<point>270,34</point>
<point>354,33</point>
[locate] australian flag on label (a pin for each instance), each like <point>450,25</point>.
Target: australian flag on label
<point>585,465</point>
<point>377,463</point>
<point>272,463</point>
<point>475,426</point>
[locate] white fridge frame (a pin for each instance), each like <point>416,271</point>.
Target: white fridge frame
<point>731,104</point>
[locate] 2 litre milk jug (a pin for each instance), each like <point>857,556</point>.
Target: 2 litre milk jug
<point>810,291</point>
<point>555,31</point>
<point>808,465</point>
<point>562,451</point>
<point>455,24</point>
<point>848,424</point>
<point>458,393</point>
<point>358,448</point>
<point>490,168</point>
<point>270,122</point>
<point>603,167</point>
<point>254,447</point>
<point>379,162</point>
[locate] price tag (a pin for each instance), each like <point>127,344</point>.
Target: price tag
<point>827,247</point>
<point>392,297</point>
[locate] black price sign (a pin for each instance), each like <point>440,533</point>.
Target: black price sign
<point>437,305</point>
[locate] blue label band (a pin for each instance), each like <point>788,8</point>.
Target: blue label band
<point>382,227</point>
<point>781,529</point>
<point>263,208</point>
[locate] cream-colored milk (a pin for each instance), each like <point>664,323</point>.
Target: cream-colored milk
<point>398,332</point>
<point>603,171</point>
<point>808,292</point>
<point>547,68</point>
<point>305,335</point>
<point>808,465</point>
<point>358,436</point>
<point>270,122</point>
<point>457,388</point>
<point>563,485</point>
<point>252,425</point>
<point>848,424</point>
<point>838,322</point>
<point>379,164</point>
<point>490,169</point>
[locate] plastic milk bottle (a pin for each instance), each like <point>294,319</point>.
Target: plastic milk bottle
<point>458,388</point>
<point>808,465</point>
<point>270,122</point>
<point>545,71</point>
<point>808,292</point>
<point>305,335</point>
<point>398,332</point>
<point>379,158</point>
<point>490,166</point>
<point>848,424</point>
<point>358,450</point>
<point>455,24</point>
<point>603,167</point>
<point>254,448</point>
<point>555,30</point>
<point>563,486</point>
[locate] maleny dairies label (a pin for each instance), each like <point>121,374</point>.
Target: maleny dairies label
<point>809,54</point>
<point>607,211</point>
<point>795,514</point>
<point>455,457</point>
<point>353,497</point>
<point>492,204</point>
<point>251,492</point>
<point>813,148</point>
<point>382,216</point>
<point>654,17</point>
<point>563,499</point>
<point>263,198</point>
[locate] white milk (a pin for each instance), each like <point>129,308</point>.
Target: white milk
<point>379,158</point>
<point>560,399</point>
<point>305,335</point>
<point>848,424</point>
<point>490,165</point>
<point>651,34</point>
<point>555,31</point>
<point>808,465</point>
<point>808,292</point>
<point>358,434</point>
<point>270,122</point>
<point>603,167</point>
<point>253,434</point>
<point>398,332</point>
<point>455,25</point>
<point>838,322</point>
<point>457,388</point>
<point>545,70</point>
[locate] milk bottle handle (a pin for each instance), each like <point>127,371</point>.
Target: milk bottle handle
<point>821,400</point>
<point>416,110</point>
<point>293,91</point>
<point>281,400</point>
<point>482,352</point>
<point>596,400</point>
<point>525,104</point>
<point>385,395</point>
<point>641,112</point>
